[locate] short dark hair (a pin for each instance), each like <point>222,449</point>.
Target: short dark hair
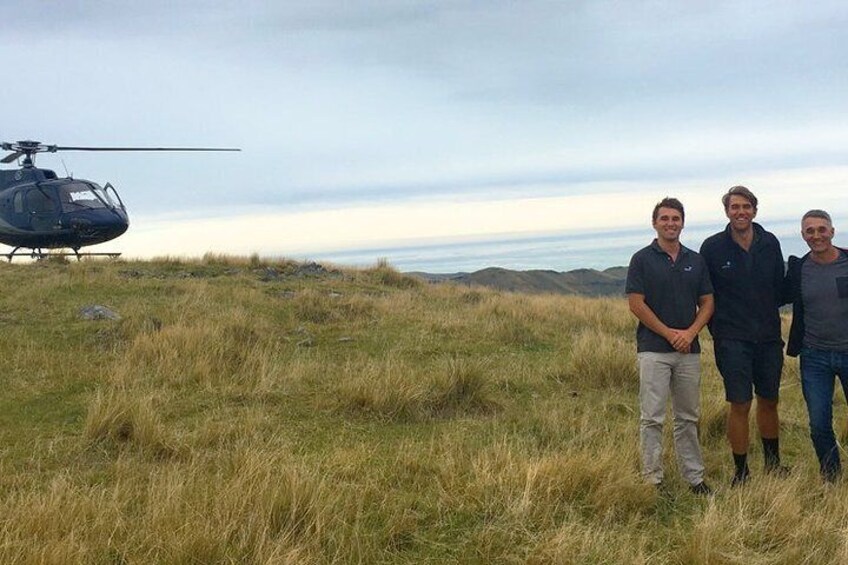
<point>668,202</point>
<point>817,214</point>
<point>739,190</point>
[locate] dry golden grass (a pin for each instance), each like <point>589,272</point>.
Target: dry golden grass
<point>252,411</point>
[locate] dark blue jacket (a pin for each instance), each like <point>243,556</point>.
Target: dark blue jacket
<point>748,286</point>
<point>792,293</point>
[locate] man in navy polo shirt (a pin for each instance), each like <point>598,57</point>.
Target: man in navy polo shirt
<point>669,291</point>
<point>746,269</point>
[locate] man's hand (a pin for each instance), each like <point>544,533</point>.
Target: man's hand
<point>681,340</point>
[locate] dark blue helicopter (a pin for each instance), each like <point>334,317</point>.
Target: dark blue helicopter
<point>39,210</point>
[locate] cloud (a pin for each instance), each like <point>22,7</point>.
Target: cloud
<point>595,208</point>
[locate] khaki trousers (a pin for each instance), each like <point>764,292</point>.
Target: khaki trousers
<point>677,375</point>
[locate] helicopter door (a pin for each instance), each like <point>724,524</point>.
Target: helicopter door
<point>41,209</point>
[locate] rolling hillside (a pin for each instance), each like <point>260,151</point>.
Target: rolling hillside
<point>587,282</point>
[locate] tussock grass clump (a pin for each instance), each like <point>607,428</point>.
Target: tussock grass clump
<point>520,497</point>
<point>228,354</point>
<point>514,320</point>
<point>573,313</point>
<point>388,389</point>
<point>261,509</point>
<point>460,387</point>
<point>120,419</point>
<point>772,522</point>
<point>322,307</point>
<point>116,336</point>
<point>600,360</point>
<point>576,542</point>
<point>386,275</point>
<point>170,260</point>
<point>517,333</point>
<point>68,520</point>
<point>257,509</point>
<point>223,260</point>
<point>395,390</point>
<point>603,479</point>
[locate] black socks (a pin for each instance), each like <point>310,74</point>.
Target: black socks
<point>740,461</point>
<point>771,452</point>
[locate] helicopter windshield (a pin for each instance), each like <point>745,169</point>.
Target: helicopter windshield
<point>110,195</point>
<point>78,196</point>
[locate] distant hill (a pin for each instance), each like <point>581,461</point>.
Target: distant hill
<point>588,282</point>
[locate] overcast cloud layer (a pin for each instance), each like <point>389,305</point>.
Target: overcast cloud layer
<point>350,111</point>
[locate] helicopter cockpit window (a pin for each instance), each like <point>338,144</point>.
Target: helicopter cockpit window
<point>19,202</point>
<point>112,195</point>
<point>80,196</point>
<point>38,201</point>
<point>108,194</point>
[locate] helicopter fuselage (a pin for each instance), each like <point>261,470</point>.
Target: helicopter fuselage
<point>40,210</point>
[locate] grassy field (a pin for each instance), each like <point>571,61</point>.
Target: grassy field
<point>242,411</point>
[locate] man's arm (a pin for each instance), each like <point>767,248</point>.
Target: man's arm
<point>779,275</point>
<point>789,283</point>
<point>645,315</point>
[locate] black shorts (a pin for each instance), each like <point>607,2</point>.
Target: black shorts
<point>745,365</point>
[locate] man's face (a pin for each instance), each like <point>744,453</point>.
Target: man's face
<point>668,224</point>
<point>818,233</point>
<point>740,212</point>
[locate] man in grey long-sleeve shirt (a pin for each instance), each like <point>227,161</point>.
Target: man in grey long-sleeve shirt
<point>817,284</point>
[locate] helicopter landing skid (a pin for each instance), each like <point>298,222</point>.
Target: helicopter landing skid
<point>39,255</point>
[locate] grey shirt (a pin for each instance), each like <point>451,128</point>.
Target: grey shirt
<point>824,292</point>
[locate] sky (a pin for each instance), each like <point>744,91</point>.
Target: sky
<point>440,135</point>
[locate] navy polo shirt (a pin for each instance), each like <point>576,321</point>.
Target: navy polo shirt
<point>748,286</point>
<point>671,289</point>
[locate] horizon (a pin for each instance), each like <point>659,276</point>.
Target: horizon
<point>558,252</point>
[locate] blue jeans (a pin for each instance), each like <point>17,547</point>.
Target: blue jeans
<point>818,369</point>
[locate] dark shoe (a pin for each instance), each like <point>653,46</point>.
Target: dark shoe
<point>740,479</point>
<point>701,488</point>
<point>779,471</point>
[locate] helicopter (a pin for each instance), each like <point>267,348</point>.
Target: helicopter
<point>39,210</point>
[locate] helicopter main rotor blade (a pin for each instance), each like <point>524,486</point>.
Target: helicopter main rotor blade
<point>11,157</point>
<point>54,148</point>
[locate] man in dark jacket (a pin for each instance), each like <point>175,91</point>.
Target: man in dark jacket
<point>746,268</point>
<point>817,285</point>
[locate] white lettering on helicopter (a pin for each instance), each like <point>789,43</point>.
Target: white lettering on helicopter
<point>82,195</point>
